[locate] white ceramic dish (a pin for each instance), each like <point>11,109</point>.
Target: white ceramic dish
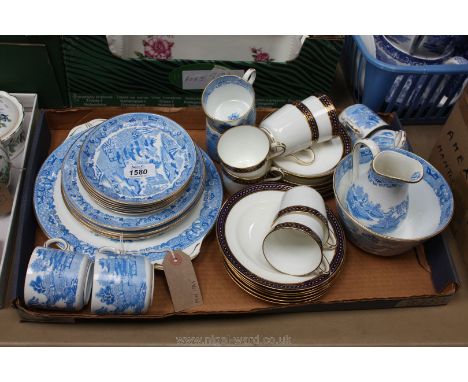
<point>247,223</point>
<point>225,48</point>
<point>326,157</point>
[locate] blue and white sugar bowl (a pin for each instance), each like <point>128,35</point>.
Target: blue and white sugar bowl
<point>58,278</point>
<point>378,194</point>
<point>122,283</point>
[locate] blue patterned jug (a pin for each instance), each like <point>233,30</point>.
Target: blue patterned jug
<point>378,194</point>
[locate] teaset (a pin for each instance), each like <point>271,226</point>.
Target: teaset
<point>118,194</point>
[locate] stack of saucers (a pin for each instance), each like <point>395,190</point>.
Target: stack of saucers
<point>244,221</point>
<point>319,173</point>
<point>132,176</point>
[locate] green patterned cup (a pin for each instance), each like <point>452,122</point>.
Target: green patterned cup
<point>4,165</point>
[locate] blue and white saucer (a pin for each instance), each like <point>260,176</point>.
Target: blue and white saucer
<point>137,159</point>
<point>56,220</point>
<point>81,203</point>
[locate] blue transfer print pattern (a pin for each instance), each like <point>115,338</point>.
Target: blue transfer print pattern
<point>137,138</point>
<point>109,219</point>
<point>212,139</point>
<point>378,220</point>
<point>363,117</point>
<point>233,116</point>
<point>52,225</point>
<point>382,181</point>
<point>56,279</point>
<point>4,118</point>
<point>385,139</point>
<point>122,284</point>
<point>384,246</point>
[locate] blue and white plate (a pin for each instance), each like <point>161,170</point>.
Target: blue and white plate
<point>187,235</point>
<point>137,159</point>
<point>79,200</point>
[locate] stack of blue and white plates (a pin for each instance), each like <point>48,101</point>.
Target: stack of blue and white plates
<point>136,181</point>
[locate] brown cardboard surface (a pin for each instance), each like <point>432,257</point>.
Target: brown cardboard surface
<point>364,276</point>
<point>450,157</point>
<point>440,325</point>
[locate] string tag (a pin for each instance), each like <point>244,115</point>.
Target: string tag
<point>181,280</point>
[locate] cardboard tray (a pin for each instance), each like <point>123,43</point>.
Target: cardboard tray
<point>423,276</point>
<point>8,223</point>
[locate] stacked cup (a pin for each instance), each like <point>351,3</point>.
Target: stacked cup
<point>299,234</point>
<point>247,153</point>
<point>228,101</point>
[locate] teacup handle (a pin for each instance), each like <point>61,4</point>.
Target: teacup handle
<point>304,162</point>
<point>60,243</point>
<point>250,75</point>
<point>276,178</point>
<point>107,249</point>
<point>371,145</point>
<point>400,138</point>
<point>320,266</point>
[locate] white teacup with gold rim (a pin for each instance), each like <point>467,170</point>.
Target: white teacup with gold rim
<point>299,124</point>
<point>245,152</point>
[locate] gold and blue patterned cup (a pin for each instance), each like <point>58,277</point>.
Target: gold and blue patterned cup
<point>122,283</point>
<point>58,279</point>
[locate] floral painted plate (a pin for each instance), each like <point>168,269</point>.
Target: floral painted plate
<point>57,222</point>
<point>137,159</point>
<point>83,204</point>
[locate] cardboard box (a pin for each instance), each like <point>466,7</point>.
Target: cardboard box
<point>450,157</point>
<point>34,64</point>
<point>423,276</point>
<point>98,78</point>
<point>8,223</point>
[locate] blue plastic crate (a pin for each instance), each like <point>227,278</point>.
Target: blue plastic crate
<point>414,93</point>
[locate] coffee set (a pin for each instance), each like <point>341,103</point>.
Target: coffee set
<point>420,50</point>
<point>64,279</point>
<point>118,194</point>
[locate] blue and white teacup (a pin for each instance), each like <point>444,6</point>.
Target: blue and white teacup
<point>122,283</point>
<point>58,278</point>
<point>5,165</point>
<point>360,121</point>
<point>229,101</point>
<point>390,139</point>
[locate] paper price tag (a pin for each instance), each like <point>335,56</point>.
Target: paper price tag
<point>140,170</point>
<point>6,200</point>
<point>182,281</point>
<point>198,79</point>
